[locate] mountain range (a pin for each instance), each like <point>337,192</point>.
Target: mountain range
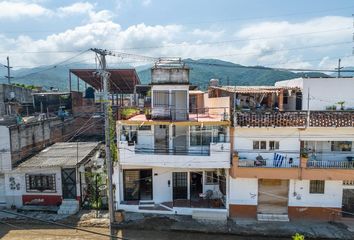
<point>201,72</point>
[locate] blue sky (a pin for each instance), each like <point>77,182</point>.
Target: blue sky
<point>306,34</point>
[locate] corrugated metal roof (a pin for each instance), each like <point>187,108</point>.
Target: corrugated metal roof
<point>253,89</point>
<point>62,154</point>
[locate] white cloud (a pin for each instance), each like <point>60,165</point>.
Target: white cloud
<point>18,9</point>
<point>76,8</point>
<point>256,44</point>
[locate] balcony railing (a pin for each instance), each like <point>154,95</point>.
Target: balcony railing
<point>268,163</point>
<point>295,119</point>
<point>270,119</point>
<point>330,164</point>
<point>174,114</point>
<point>205,151</point>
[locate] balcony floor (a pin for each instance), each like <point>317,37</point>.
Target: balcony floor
<point>192,117</point>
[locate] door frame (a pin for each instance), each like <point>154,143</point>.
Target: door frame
<point>287,194</point>
<point>63,178</point>
<point>139,194</point>
<point>198,173</point>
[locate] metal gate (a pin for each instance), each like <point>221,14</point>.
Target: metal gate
<point>68,176</point>
<point>348,203</point>
<point>180,185</point>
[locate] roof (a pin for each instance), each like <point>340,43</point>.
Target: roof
<point>121,80</point>
<point>62,154</point>
<point>253,89</point>
<point>50,93</point>
<point>195,92</point>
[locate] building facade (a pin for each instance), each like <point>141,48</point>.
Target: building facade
<point>175,156</point>
<point>290,164</point>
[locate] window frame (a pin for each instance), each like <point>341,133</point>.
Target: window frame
<point>213,179</point>
<point>318,187</point>
<point>276,145</point>
<point>40,187</point>
<point>337,148</point>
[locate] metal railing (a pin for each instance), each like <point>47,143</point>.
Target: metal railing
<point>268,163</point>
<point>166,151</point>
<point>330,164</point>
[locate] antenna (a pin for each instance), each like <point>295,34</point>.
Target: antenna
<point>339,67</point>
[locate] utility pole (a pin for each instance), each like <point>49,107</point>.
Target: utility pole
<point>8,70</point>
<point>339,67</point>
<point>105,78</point>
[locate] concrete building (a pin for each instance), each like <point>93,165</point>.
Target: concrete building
<point>19,141</point>
<point>174,157</point>
<point>54,177</point>
<point>14,100</point>
<point>291,164</point>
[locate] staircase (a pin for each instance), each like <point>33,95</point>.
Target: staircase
<point>273,217</point>
<point>69,207</point>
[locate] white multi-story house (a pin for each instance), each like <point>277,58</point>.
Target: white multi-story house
<point>175,156</point>
<point>293,153</point>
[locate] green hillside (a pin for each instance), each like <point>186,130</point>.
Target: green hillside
<point>201,72</point>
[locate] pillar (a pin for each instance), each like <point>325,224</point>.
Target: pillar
<point>281,100</point>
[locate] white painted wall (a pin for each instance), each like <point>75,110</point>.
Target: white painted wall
<point>5,149</point>
<point>14,196</point>
<point>243,191</point>
<point>300,196</point>
<point>323,91</point>
<point>219,158</point>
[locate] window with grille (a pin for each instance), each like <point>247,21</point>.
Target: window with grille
<point>317,186</point>
<point>40,183</point>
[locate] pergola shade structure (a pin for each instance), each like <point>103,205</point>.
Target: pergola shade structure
<point>121,81</point>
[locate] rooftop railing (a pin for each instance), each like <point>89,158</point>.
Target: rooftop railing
<point>330,164</point>
<point>295,119</point>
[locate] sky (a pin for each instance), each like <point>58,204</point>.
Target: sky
<point>289,34</point>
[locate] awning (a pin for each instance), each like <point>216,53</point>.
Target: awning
<point>121,80</point>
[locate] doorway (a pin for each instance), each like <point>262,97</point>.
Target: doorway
<point>273,196</point>
<point>69,183</point>
<point>161,138</point>
<point>180,185</point>
<point>348,203</point>
<point>137,184</point>
<point>196,185</point>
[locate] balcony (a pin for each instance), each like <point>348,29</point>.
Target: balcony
<point>299,168</point>
<point>216,155</point>
<point>295,119</point>
<point>218,114</point>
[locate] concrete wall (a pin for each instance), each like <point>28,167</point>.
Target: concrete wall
<point>243,191</point>
<point>300,196</point>
<point>323,91</point>
<point>27,139</point>
<point>166,75</point>
<point>5,149</point>
<point>15,197</point>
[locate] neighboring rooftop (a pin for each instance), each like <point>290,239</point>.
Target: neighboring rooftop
<point>253,89</point>
<point>62,154</point>
<point>120,81</point>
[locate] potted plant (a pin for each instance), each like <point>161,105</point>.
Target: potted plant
<point>341,103</point>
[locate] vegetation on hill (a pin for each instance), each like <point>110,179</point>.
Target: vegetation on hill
<point>201,72</point>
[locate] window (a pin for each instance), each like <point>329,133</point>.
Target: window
<point>200,136</point>
<point>273,145</point>
<point>145,128</point>
<point>211,177</point>
<point>341,146</point>
<point>317,186</point>
<point>40,183</point>
<point>259,145</point>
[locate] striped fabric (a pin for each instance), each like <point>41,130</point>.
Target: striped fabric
<point>278,160</point>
